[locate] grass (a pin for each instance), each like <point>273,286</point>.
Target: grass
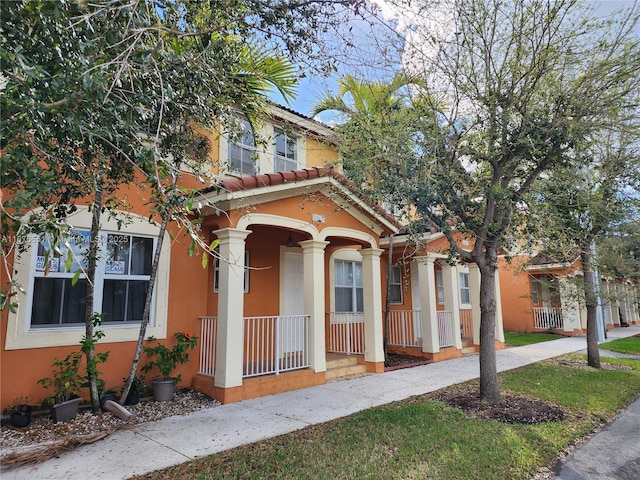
<point>422,438</point>
<point>623,345</point>
<point>526,338</point>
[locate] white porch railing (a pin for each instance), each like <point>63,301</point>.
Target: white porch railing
<point>275,344</point>
<point>346,333</point>
<point>445,329</point>
<point>547,317</point>
<point>466,323</point>
<point>208,335</point>
<point>404,328</point>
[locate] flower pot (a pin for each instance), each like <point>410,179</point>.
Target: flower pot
<point>163,389</point>
<point>65,411</point>
<point>22,417</point>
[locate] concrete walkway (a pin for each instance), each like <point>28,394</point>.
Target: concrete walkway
<point>175,440</point>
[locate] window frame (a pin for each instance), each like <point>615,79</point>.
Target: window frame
<point>354,287</point>
<point>440,287</point>
<point>464,286</point>
<point>279,132</point>
<point>392,283</point>
<point>236,140</point>
<point>21,336</point>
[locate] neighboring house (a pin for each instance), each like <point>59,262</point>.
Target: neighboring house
<point>297,297</point>
<point>546,293</point>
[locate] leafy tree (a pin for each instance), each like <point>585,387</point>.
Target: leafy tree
<point>523,82</point>
<point>576,207</point>
<point>98,94</point>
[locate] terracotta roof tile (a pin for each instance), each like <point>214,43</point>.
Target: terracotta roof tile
<point>236,184</point>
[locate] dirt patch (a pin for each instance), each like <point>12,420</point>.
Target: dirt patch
<point>395,362</point>
<point>512,408</point>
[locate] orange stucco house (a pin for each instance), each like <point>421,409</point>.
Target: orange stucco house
<point>544,293</point>
<point>297,298</point>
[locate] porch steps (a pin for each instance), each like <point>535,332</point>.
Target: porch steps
<point>468,348</point>
<point>340,367</point>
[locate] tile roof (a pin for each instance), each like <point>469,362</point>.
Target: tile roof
<point>243,183</point>
<point>553,258</point>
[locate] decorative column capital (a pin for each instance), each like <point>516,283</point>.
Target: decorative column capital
<point>371,252</point>
<point>231,234</point>
<point>313,245</point>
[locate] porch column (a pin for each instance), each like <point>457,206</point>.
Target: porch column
<point>230,341</point>
<point>372,291</point>
<point>570,306</point>
<point>613,303</point>
<point>476,313</point>
<point>634,303</point>
<point>499,323</point>
<point>428,310</point>
<point>313,257</point>
<point>451,300</point>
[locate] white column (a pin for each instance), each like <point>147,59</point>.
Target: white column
<point>428,310</point>
<point>499,323</point>
<point>313,255</point>
<point>570,305</point>
<point>635,295</point>
<point>230,343</point>
<point>613,302</point>
<point>476,312</point>
<point>372,291</point>
<point>451,300</point>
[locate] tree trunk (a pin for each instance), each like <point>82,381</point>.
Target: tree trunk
<point>146,312</point>
<point>92,256</point>
<point>593,352</point>
<point>489,387</point>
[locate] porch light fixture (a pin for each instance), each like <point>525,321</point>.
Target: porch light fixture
<point>290,241</point>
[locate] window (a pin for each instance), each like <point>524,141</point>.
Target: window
<point>536,293</point>
<point>395,285</point>
<point>216,273</point>
<point>465,290</point>
<point>242,149</point>
<point>440,287</point>
<point>122,276</point>
<point>285,156</point>
<point>348,286</point>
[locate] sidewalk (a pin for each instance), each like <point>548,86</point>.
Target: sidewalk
<point>176,440</point>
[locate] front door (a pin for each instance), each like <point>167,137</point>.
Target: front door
<point>293,302</point>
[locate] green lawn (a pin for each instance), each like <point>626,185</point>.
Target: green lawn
<point>623,345</point>
<point>527,338</point>
<point>421,438</point>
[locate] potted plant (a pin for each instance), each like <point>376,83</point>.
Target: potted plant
<point>65,382</point>
<point>20,413</point>
<point>138,389</point>
<point>166,360</point>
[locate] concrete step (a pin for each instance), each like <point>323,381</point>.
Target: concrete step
<point>468,350</point>
<point>339,361</point>
<point>345,372</point>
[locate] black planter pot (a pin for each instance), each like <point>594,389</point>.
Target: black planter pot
<point>21,417</point>
<point>133,398</point>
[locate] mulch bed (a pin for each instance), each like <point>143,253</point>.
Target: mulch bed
<point>396,362</point>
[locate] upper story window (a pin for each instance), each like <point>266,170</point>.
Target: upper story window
<point>395,285</point>
<point>349,296</point>
<point>285,155</point>
<point>242,149</point>
<point>465,289</point>
<point>122,276</point>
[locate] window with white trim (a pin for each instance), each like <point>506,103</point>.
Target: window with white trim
<point>536,291</point>
<point>285,151</point>
<point>395,285</point>
<point>122,275</point>
<point>216,273</point>
<point>349,293</point>
<point>242,149</point>
<point>440,287</point>
<point>465,289</point>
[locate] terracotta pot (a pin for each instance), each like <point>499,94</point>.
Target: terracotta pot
<point>163,389</point>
